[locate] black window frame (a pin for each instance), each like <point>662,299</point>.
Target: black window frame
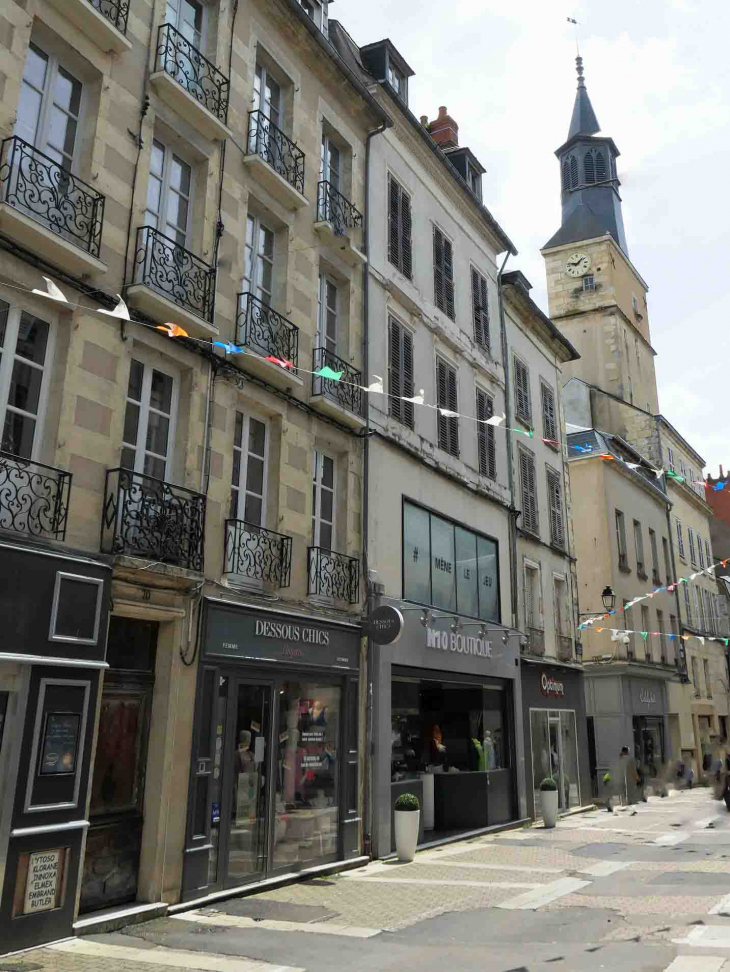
<point>400,227</point>
<point>486,440</point>
<point>447,397</point>
<point>530,519</point>
<point>549,411</point>
<point>443,273</point>
<point>480,310</point>
<point>523,410</point>
<point>400,372</point>
<point>555,505</point>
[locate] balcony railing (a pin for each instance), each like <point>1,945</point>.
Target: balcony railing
<point>347,391</point>
<point>264,331</point>
<point>115,11</point>
<point>146,517</point>
<point>36,185</point>
<point>268,141</point>
<point>163,265</point>
<point>333,575</point>
<point>257,554</point>
<point>177,57</point>
<point>33,497</point>
<point>334,208</point>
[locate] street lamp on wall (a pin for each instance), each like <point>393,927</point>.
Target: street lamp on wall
<point>609,598</point>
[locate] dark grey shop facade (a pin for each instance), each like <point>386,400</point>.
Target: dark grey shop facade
<point>446,724</point>
<point>556,736</point>
<point>275,775</point>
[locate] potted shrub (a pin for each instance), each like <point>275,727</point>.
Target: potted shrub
<point>549,801</point>
<point>407,818</point>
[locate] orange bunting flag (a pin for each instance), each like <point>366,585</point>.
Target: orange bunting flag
<point>172,330</point>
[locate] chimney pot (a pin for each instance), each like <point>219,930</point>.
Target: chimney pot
<point>442,111</point>
<point>444,130</point>
<point>424,120</point>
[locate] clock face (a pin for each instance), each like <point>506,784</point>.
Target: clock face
<point>577,264</point>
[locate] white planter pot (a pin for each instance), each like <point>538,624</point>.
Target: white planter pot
<point>406,833</point>
<point>549,804</point>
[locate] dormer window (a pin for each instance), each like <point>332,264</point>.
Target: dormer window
<point>397,81</point>
<point>307,7</point>
<point>316,11</point>
<point>474,180</point>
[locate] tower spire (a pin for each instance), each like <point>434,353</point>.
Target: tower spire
<point>584,121</point>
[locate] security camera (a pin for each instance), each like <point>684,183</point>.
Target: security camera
<point>625,640</point>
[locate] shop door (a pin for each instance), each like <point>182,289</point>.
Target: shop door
<point>244,809</point>
<point>114,841</point>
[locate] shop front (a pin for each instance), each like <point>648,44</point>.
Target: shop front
<point>274,786</point>
<point>54,608</point>
<point>628,710</point>
<point>556,738</point>
<point>444,728</point>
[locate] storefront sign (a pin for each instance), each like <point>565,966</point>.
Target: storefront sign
<point>385,625</point>
<point>552,687</point>
<point>460,643</point>
<point>649,698</point>
<point>41,887</point>
<point>240,633</point>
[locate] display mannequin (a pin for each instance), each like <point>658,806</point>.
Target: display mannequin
<point>490,756</point>
<point>438,748</point>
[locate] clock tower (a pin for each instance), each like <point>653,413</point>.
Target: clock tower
<point>596,295</point>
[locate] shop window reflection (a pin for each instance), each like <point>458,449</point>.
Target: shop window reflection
<point>306,822</point>
<point>555,754</point>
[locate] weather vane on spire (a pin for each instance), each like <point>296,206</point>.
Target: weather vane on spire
<point>571,20</point>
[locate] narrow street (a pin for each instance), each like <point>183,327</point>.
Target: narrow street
<point>646,889</point>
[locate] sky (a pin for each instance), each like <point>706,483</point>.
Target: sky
<point>658,77</point>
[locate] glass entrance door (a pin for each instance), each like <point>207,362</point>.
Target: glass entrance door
<point>555,754</point>
<point>250,725</point>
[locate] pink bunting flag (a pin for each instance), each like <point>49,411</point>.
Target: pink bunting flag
<point>282,362</point>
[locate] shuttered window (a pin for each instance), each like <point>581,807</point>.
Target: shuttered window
<point>399,223</point>
<point>555,502</point>
<point>529,493</point>
<point>400,371</point>
<point>443,273</point>
<point>485,436</point>
<point>549,422</point>
<point>692,550</point>
<point>446,396</point>
<point>480,306</point>
<point>523,405</point>
<point>680,540</point>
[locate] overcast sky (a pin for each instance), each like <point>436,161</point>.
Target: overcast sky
<point>658,77</point>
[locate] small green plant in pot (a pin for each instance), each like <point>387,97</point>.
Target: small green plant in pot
<point>549,801</point>
<point>407,818</point>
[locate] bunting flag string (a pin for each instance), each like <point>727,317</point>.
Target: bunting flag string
<point>642,597</point>
<point>173,330</point>
<point>618,632</point>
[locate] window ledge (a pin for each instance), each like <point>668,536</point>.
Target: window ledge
<point>551,445</point>
<point>181,101</point>
<point>642,575</point>
<point>94,24</point>
<point>276,184</point>
<point>38,238</point>
<point>523,421</point>
<point>624,570</point>
<point>345,247</point>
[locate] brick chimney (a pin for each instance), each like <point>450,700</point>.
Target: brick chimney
<point>444,129</point>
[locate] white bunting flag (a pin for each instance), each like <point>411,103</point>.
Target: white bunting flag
<point>448,414</point>
<point>658,473</point>
<point>495,419</point>
<point>53,291</point>
<point>417,399</point>
<point>633,465</point>
<point>376,386</point>
<point>120,310</point>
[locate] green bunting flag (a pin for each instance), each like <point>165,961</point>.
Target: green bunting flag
<point>326,372</point>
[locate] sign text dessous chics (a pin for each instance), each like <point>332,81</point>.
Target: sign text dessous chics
<point>460,643</point>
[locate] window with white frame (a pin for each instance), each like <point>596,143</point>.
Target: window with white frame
<point>555,502</point>
<point>560,594</point>
<point>530,519</point>
<point>443,273</point>
<point>267,98</point>
<point>696,678</point>
<point>645,626</point>
<point>249,472</point>
<point>623,559</point>
<point>169,194</point>
<point>639,545</point>
<point>330,163</point>
<point>186,16</point>
<point>549,416</point>
<point>656,579</point>
<point>480,307</point>
<point>396,79</point>
<point>25,353</point>
<point>474,179</point>
<point>670,459</point>
<point>667,561</point>
<point>485,436</point>
<point>447,398</point>
<point>692,549</point>
<point>49,107</point>
<point>662,636</point>
<point>629,622</point>
<point>400,371</point>
<point>700,552</point>
<point>258,260</point>
<point>328,308</point>
<point>699,608</point>
<point>533,614</point>
<point>708,554</point>
<point>589,283</point>
<point>523,402</point>
<point>688,604</point>
<point>149,423</point>
<point>323,501</point>
<point>680,540</point>
<point>708,680</point>
<point>399,228</point>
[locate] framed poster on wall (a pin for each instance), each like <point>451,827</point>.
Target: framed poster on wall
<point>60,743</point>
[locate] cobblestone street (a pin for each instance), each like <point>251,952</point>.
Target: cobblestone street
<point>645,889</point>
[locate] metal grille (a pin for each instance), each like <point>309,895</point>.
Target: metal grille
<point>347,391</point>
<point>264,331</point>
<point>333,575</point>
<point>268,141</point>
<point>177,57</point>
<point>257,554</point>
<point>33,497</point>
<point>174,272</point>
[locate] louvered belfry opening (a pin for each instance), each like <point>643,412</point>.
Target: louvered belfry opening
<point>400,372</point>
<point>447,397</point>
<point>443,273</point>
<point>399,227</point>
<point>480,304</point>
<point>590,169</point>
<point>485,436</point>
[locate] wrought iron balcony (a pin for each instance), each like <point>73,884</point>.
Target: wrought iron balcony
<point>276,148</point>
<point>347,391</point>
<point>37,186</point>
<point>168,268</point>
<point>115,11</point>
<point>333,575</point>
<point>257,554</point>
<point>177,57</point>
<point>264,331</point>
<point>33,497</point>
<point>334,208</point>
<point>146,517</point>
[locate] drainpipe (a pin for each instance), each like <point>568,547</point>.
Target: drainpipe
<point>510,469</point>
<point>367,668</point>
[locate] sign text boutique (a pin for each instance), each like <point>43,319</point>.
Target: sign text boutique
<point>460,643</point>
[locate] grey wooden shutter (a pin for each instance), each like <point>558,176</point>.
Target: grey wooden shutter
<point>485,436</point>
<point>522,391</point>
<point>438,269</point>
<point>400,371</point>
<point>447,397</point>
<point>549,423</point>
<point>557,532</point>
<point>406,264</point>
<point>529,496</point>
<point>480,305</point>
<point>394,222</point>
<point>449,278</point>
<point>441,402</point>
